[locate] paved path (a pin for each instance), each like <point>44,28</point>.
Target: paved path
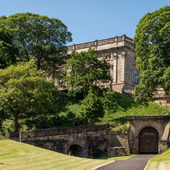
<point>135,163</point>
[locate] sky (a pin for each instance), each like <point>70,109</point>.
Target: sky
<point>88,20</point>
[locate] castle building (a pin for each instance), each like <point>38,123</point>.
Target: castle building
<point>119,52</point>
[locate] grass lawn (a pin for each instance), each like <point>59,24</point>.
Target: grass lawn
<point>20,156</point>
<point>160,162</point>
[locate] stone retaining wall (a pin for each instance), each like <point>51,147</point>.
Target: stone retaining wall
<point>86,137</point>
<point>118,140</point>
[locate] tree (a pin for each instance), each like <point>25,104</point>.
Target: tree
<point>152,41</point>
<point>91,106</point>
<point>40,38</point>
<point>85,70</point>
<point>25,93</point>
<point>109,102</point>
<point>8,52</point>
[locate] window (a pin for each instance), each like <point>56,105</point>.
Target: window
<point>135,76</point>
<point>108,72</point>
<point>61,82</point>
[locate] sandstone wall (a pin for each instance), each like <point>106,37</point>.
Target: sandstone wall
<point>61,139</point>
<point>137,123</point>
<point>118,140</point>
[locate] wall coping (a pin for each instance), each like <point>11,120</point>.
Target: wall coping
<point>117,133</point>
<point>69,127</point>
<point>60,131</point>
<point>148,118</point>
<point>96,43</point>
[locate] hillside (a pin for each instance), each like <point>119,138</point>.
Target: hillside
<point>69,108</point>
<point>20,156</point>
<point>118,119</point>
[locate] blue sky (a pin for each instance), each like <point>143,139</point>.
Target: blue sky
<point>88,20</point>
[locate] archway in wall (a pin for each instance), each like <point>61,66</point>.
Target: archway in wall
<point>76,150</point>
<point>148,141</point>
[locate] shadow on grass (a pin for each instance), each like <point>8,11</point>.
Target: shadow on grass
<point>3,164</point>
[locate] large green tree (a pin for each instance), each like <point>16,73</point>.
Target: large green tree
<point>109,102</point>
<point>92,106</point>
<point>85,70</point>
<point>25,93</point>
<point>40,38</point>
<point>8,52</point>
<point>152,41</point>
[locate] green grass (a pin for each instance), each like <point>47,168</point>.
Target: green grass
<point>160,162</point>
<point>117,119</point>
<point>20,156</point>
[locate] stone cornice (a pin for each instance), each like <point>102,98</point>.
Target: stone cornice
<point>114,42</point>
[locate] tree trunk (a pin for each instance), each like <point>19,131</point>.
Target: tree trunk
<point>16,123</point>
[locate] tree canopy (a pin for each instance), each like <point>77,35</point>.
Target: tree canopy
<point>38,37</point>
<point>25,93</point>
<point>92,106</point>
<point>152,41</point>
<point>85,70</point>
<point>8,52</point>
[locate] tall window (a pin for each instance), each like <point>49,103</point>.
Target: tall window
<point>136,76</point>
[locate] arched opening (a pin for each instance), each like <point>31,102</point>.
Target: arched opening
<point>76,150</point>
<point>148,141</point>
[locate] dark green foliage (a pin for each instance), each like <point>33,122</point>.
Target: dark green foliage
<point>109,100</point>
<point>8,52</point>
<point>84,70</point>
<point>152,41</point>
<point>91,106</point>
<point>40,38</point>
<point>121,107</point>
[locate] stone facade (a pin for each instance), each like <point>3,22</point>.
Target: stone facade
<point>84,140</point>
<point>119,52</point>
<point>118,140</point>
<point>161,98</point>
<point>159,123</point>
<point>79,141</point>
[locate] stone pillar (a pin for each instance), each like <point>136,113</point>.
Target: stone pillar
<point>123,37</point>
<point>123,55</point>
<point>74,46</point>
<point>96,44</point>
<point>116,38</point>
<point>114,67</point>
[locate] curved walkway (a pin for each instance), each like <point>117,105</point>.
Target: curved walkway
<point>135,163</point>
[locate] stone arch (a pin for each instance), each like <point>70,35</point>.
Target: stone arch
<point>76,150</point>
<point>144,126</point>
<point>148,140</point>
<point>139,130</point>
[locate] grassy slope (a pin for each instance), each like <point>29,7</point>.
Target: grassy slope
<point>19,156</point>
<point>125,107</point>
<point>160,162</point>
